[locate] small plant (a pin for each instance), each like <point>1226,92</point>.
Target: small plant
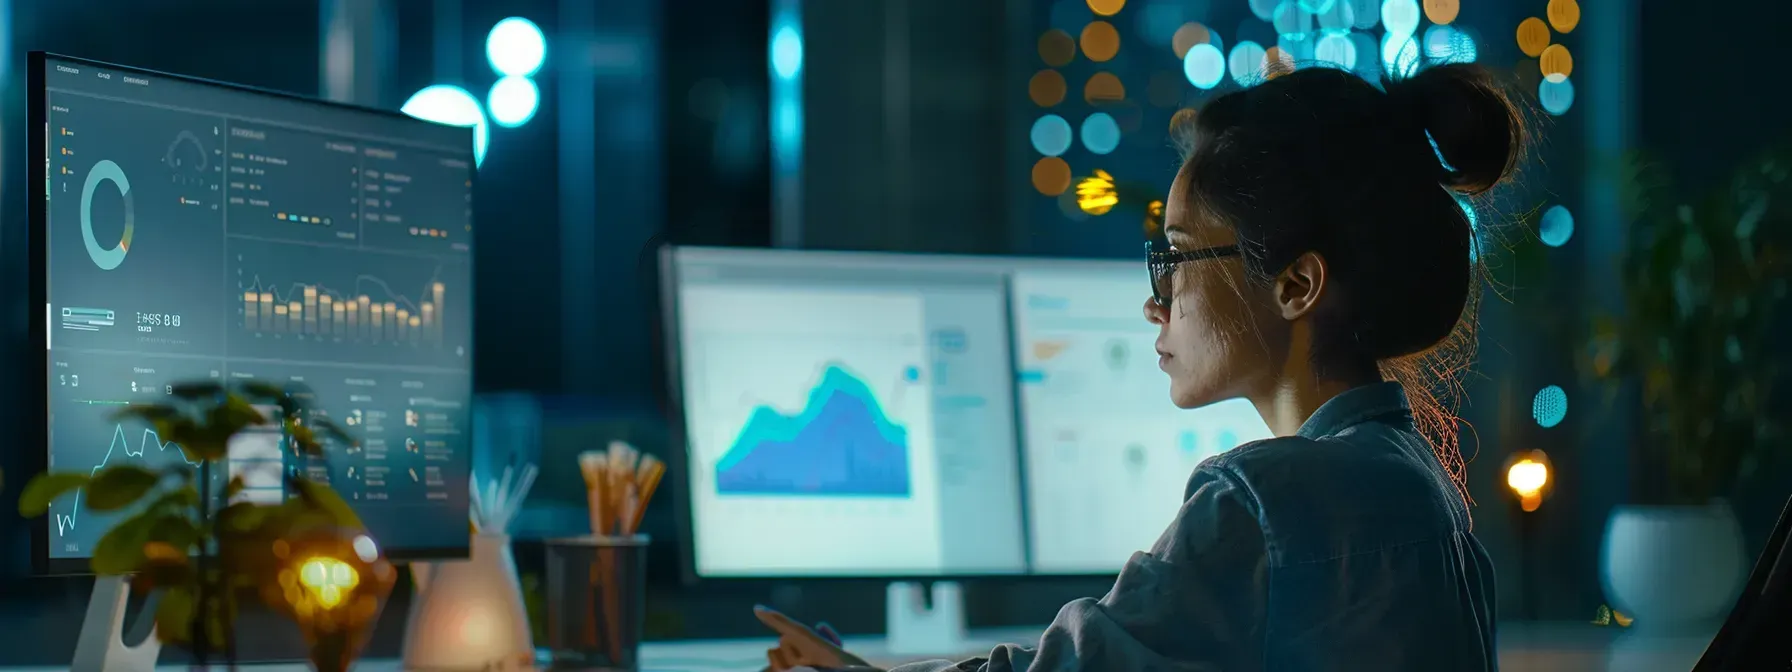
<point>184,534</point>
<point>1703,282</point>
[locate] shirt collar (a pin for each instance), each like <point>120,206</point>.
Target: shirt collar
<point>1355,406</point>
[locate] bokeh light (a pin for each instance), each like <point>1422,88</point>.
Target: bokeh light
<point>1556,227</point>
<point>1277,62</point>
<point>1442,12</point>
<point>1449,45</point>
<point>451,106</point>
<point>1336,50</point>
<point>1368,66</point>
<point>1563,15</point>
<point>1400,16</point>
<point>1292,21</point>
<point>1101,134</point>
<point>1189,35</point>
<point>515,47</point>
<point>1051,176</point>
<point>787,53</point>
<point>1337,19</point>
<point>513,101</point>
<point>1204,66</point>
<point>1246,62</point>
<point>1057,48</point>
<point>1265,9</point>
<point>1047,88</point>
<point>1051,135</point>
<point>1550,406</point>
<point>1533,36</point>
<point>1556,63</point>
<point>1106,7</point>
<point>1400,54</point>
<point>1103,88</point>
<point>1556,97</point>
<point>1100,41</point>
<point>1365,13</point>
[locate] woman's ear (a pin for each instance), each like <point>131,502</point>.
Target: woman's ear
<point>1300,285</point>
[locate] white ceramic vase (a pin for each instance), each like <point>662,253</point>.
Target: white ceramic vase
<point>469,614</point>
<point>1673,568</point>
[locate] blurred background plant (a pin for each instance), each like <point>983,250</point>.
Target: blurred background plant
<point>1703,280</point>
<point>185,534</point>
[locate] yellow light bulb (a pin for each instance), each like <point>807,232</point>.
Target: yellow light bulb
<point>1096,195</point>
<point>1527,477</point>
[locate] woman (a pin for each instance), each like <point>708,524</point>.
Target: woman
<point>1315,246</point>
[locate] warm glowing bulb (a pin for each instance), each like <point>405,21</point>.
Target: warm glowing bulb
<point>1527,477</point>
<point>1096,195</point>
<point>328,580</point>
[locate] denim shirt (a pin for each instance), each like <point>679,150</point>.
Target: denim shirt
<point>1343,547</point>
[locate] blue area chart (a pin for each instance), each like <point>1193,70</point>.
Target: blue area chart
<point>840,445</point>
<point>120,446</point>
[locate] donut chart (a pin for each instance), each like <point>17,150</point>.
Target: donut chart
<point>107,258</point>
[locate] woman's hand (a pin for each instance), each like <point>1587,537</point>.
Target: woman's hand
<point>800,646</point>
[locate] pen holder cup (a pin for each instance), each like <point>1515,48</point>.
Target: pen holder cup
<point>596,602</point>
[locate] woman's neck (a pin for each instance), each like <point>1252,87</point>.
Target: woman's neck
<point>1292,398</point>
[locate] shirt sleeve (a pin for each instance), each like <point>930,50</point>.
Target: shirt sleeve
<point>1194,602</point>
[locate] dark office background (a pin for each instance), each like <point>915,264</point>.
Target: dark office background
<point>655,127</point>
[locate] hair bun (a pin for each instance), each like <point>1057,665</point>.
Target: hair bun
<point>1474,124</point>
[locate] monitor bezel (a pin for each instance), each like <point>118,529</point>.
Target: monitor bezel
<point>679,452</point>
<point>36,402</point>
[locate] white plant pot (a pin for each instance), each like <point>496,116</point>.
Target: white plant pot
<point>1673,568</point>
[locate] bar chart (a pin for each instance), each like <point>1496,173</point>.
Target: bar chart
<point>312,310</point>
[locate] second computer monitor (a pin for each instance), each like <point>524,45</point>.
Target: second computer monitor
<point>1107,455</point>
<point>845,414</point>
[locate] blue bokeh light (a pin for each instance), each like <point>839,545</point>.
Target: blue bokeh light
<point>1556,97</point>
<point>1246,62</point>
<point>1400,16</point>
<point>1265,9</point>
<point>516,47</point>
<point>1556,227</point>
<point>1101,134</point>
<point>787,53</point>
<point>1051,135</point>
<point>1449,45</point>
<point>1365,14</point>
<point>513,101</point>
<point>1292,21</point>
<point>1204,66</point>
<point>1337,19</point>
<point>1550,406</point>
<point>1336,50</point>
<point>451,106</point>
<point>1400,54</point>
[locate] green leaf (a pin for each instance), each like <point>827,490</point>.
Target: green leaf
<point>304,438</point>
<point>151,414</point>
<point>234,487</point>
<point>175,530</point>
<point>166,574</point>
<point>242,517</point>
<point>174,616</point>
<point>325,500</point>
<point>119,486</point>
<point>234,415</point>
<point>197,391</point>
<point>120,550</point>
<point>46,488</point>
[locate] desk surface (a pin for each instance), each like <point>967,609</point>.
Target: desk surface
<point>1532,647</point>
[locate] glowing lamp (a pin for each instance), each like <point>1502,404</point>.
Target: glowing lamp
<point>1097,194</point>
<point>333,586</point>
<point>1527,475</point>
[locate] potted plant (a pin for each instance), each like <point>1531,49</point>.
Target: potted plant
<point>188,535</point>
<point>1703,280</point>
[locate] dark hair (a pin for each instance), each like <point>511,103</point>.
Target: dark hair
<point>1373,180</point>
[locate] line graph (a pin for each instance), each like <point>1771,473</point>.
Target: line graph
<point>120,445</point>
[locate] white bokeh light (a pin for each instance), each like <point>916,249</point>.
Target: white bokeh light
<point>516,47</point>
<point>452,106</point>
<point>513,101</point>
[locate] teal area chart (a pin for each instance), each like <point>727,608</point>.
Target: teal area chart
<point>841,444</point>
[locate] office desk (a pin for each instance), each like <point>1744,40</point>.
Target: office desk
<point>1524,647</point>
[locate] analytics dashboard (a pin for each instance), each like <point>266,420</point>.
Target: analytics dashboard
<point>846,414</point>
<point>201,232</point>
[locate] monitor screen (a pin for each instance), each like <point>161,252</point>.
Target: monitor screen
<point>1107,455</point>
<point>193,231</point>
<point>846,414</point>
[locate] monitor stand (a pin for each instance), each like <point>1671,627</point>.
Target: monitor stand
<point>102,645</point>
<point>916,628</point>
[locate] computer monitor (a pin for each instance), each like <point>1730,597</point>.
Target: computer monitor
<point>1106,455</point>
<point>193,231</point>
<point>845,414</point>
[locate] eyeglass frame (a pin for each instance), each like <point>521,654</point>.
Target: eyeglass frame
<point>1161,265</point>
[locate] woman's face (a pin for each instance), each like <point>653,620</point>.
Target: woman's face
<point>1210,338</point>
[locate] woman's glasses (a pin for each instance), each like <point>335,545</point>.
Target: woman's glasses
<point>1163,265</point>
